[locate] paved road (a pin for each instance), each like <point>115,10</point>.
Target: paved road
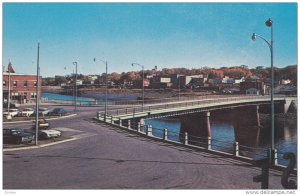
<point>105,157</point>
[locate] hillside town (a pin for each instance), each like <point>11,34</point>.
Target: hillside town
<point>225,80</point>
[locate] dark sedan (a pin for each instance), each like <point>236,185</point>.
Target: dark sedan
<point>17,136</point>
<point>58,112</point>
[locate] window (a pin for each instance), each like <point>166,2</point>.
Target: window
<point>34,83</point>
<point>33,95</point>
<point>4,83</point>
<point>15,83</point>
<point>25,84</point>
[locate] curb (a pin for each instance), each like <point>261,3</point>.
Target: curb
<point>30,121</point>
<point>41,146</point>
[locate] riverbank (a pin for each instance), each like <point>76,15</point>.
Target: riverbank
<point>127,94</point>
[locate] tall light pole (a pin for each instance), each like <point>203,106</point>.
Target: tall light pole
<point>37,96</point>
<point>269,23</point>
<point>105,106</point>
<point>143,95</point>
<point>179,87</point>
<point>75,106</point>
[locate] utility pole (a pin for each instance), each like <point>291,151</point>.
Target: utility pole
<point>75,109</point>
<point>37,97</point>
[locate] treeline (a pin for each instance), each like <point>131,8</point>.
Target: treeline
<point>289,72</point>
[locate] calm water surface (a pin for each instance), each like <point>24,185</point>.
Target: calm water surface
<point>224,133</point>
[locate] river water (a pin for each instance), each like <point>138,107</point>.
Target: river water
<point>87,99</point>
<point>223,132</point>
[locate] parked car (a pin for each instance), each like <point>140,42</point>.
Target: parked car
<point>26,112</point>
<point>12,112</point>
<point>48,134</point>
<point>43,124</point>
<point>17,136</point>
<point>58,111</point>
<point>43,111</point>
<point>11,105</point>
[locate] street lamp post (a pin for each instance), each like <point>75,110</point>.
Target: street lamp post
<point>75,106</point>
<point>143,95</point>
<point>269,23</point>
<point>179,87</point>
<point>105,106</point>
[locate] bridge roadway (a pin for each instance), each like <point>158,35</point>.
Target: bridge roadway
<point>186,107</point>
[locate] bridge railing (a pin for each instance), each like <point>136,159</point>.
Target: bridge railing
<point>202,101</point>
<point>217,145</point>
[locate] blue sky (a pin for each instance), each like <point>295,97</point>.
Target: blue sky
<point>190,35</point>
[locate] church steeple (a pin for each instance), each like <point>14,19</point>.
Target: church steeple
<point>10,68</point>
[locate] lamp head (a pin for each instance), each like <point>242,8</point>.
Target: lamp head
<point>253,37</point>
<point>269,22</point>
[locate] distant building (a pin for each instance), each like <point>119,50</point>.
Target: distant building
<point>215,81</point>
<point>285,89</point>
<point>185,80</point>
<point>22,87</point>
<point>137,84</point>
<point>160,82</point>
<point>79,82</point>
<point>253,82</point>
<point>228,80</point>
<point>237,81</point>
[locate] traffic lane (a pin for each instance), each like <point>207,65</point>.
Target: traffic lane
<point>114,159</point>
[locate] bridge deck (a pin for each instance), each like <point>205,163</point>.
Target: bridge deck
<point>178,108</point>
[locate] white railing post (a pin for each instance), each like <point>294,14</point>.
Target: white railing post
<point>186,139</point>
<point>149,130</point>
<point>120,122</point>
<point>139,127</point>
<point>209,143</point>
<point>129,124</point>
<point>275,157</point>
<point>165,134</point>
<point>236,149</point>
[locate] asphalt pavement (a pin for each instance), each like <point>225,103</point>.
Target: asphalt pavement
<point>105,157</point>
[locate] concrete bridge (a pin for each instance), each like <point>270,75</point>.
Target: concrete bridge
<point>193,106</point>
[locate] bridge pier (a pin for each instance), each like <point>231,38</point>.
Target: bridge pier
<point>197,125</point>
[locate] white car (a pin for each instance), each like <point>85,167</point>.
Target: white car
<point>50,133</point>
<point>44,111</point>
<point>12,112</point>
<point>26,112</point>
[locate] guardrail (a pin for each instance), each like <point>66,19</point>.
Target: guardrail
<point>231,148</point>
<point>208,100</point>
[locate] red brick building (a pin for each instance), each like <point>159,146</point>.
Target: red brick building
<point>22,87</point>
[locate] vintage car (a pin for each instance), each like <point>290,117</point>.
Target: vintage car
<point>43,111</point>
<point>26,112</point>
<point>12,112</point>
<point>49,133</point>
<point>42,123</point>
<point>17,136</point>
<point>58,112</point>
